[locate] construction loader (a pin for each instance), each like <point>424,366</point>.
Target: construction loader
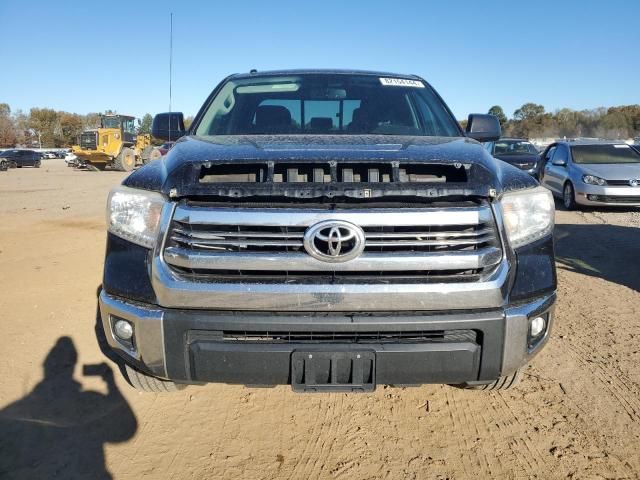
<point>115,144</point>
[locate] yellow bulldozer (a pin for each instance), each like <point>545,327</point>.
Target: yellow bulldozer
<point>115,144</point>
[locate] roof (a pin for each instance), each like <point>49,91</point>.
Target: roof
<point>327,71</point>
<point>514,139</point>
<point>591,141</point>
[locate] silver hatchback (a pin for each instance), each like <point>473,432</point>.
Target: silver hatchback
<point>592,173</point>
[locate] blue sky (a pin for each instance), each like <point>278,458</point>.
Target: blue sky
<point>86,56</point>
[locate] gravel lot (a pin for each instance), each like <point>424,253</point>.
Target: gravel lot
<point>576,414</point>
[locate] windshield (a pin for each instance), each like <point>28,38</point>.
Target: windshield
<point>110,122</point>
<point>326,104</point>
<point>514,147</point>
<point>590,154</point>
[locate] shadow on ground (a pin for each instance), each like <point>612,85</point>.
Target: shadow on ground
<point>610,252</point>
<point>58,430</point>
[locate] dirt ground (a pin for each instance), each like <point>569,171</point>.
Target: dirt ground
<point>576,414</point>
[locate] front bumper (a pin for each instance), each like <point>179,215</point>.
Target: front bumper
<point>189,346</point>
<point>613,196</point>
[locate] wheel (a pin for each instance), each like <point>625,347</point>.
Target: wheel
<point>502,383</point>
<point>568,196</point>
<point>37,164</point>
<point>3,166</point>
<point>125,161</point>
<point>147,383</point>
<point>146,154</point>
<point>156,153</point>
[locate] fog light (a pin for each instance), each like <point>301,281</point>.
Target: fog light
<point>537,327</point>
<point>123,329</point>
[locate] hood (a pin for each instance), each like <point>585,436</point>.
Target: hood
<point>611,171</point>
<point>516,159</point>
<point>180,172</point>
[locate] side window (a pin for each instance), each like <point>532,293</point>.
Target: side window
<point>549,154</point>
<point>561,153</point>
<point>129,126</point>
<point>546,160</point>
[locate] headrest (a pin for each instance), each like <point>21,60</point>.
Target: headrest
<point>321,123</point>
<point>358,116</point>
<point>272,115</point>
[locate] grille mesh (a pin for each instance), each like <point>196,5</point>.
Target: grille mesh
<point>434,336</point>
<point>88,140</point>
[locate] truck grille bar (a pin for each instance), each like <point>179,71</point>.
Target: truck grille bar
<point>88,140</point>
<point>236,244</point>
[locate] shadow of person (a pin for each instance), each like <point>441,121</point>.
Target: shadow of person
<point>58,429</point>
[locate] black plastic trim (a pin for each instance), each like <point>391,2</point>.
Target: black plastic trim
<point>535,270</point>
<point>196,352</point>
<point>126,270</point>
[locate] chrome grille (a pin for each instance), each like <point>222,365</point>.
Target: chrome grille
<point>400,243</point>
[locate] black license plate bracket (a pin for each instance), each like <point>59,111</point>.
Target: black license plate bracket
<point>321,371</point>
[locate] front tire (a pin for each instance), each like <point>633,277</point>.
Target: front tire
<point>568,196</point>
<point>126,160</point>
<point>155,153</point>
<point>146,154</point>
<point>37,164</point>
<point>147,383</point>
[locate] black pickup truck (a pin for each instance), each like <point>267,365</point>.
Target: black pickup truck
<point>329,230</point>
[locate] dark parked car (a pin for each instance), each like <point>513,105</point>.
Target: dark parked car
<point>165,147</point>
<point>518,152</point>
<point>331,230</point>
<point>22,158</point>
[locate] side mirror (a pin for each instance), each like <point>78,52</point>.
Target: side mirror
<point>168,126</point>
<point>560,162</point>
<point>483,127</point>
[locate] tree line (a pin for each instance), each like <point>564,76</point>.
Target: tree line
<point>532,121</point>
<point>50,128</point>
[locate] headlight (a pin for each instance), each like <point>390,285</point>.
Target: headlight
<point>134,214</point>
<point>593,180</point>
<point>528,215</point>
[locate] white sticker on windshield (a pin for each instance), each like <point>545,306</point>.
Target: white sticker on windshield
<point>401,82</point>
<point>621,146</point>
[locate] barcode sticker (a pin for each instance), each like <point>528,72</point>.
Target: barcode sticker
<point>401,82</point>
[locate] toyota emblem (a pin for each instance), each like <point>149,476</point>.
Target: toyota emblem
<point>334,241</point>
<point>634,182</point>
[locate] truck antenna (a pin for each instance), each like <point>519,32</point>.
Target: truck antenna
<point>170,55</point>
